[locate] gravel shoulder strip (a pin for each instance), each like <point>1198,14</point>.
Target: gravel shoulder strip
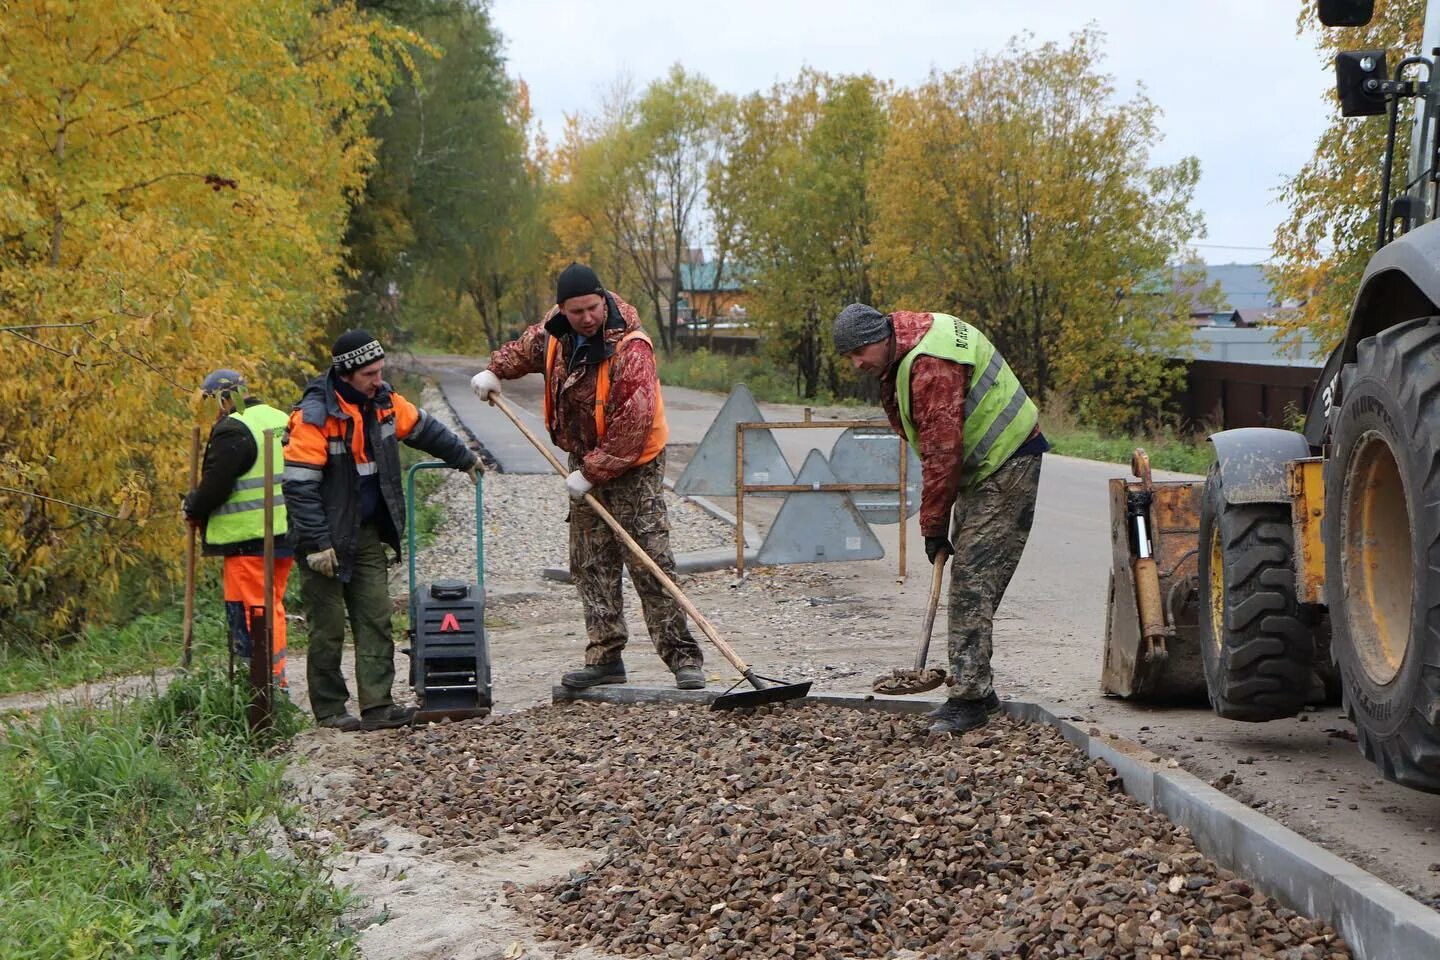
<point>1375,918</point>
<point>816,831</point>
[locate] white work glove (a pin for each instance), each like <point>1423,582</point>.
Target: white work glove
<point>323,563</point>
<point>485,384</point>
<point>474,470</point>
<point>578,485</point>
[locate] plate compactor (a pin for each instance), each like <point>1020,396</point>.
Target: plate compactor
<point>449,657</point>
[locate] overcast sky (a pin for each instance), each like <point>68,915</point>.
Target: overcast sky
<point>1238,88</point>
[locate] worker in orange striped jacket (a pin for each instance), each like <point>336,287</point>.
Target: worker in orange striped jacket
<point>604,408</point>
<point>347,515</point>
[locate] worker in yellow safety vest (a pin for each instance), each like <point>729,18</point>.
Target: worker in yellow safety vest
<point>228,506</point>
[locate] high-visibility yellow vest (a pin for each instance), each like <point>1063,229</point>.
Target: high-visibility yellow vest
<point>999,417</point>
<point>242,516</point>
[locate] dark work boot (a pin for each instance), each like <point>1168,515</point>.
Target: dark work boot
<point>592,675</point>
<point>690,678</point>
<point>387,717</point>
<point>956,715</point>
<point>345,720</point>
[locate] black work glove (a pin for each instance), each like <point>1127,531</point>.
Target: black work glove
<point>934,546</point>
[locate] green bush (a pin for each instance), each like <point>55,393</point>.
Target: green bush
<point>145,829</point>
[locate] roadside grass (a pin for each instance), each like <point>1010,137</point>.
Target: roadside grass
<point>145,642</point>
<point>1167,448</point>
<point>148,828</point>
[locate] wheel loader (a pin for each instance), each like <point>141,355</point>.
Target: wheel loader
<point>1308,559</point>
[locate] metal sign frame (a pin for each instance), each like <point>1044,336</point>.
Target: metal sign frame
<point>742,488</point>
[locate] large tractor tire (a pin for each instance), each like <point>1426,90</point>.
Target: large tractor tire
<point>1382,558</point>
<point>1257,649</point>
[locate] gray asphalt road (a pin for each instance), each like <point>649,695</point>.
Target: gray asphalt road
<point>1305,772</point>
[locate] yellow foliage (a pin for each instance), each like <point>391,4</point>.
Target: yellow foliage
<point>174,183</point>
<point>1017,193</point>
<point>1322,247</point>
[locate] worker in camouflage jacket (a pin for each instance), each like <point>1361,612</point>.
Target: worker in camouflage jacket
<point>603,407</point>
<point>951,394</point>
<point>343,491</point>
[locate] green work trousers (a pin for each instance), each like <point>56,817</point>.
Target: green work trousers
<point>365,602</point>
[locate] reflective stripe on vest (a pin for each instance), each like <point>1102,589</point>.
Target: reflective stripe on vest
<point>999,417</point>
<point>242,516</point>
<point>659,427</point>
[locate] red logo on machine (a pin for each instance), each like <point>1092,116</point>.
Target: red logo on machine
<point>449,624</point>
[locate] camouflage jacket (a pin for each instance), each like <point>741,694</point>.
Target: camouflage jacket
<point>634,387</point>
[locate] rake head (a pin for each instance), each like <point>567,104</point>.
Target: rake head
<point>761,695</point>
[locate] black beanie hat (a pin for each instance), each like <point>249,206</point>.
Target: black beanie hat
<point>577,280</point>
<point>355,349</point>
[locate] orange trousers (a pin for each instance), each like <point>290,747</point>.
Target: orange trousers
<point>244,589</point>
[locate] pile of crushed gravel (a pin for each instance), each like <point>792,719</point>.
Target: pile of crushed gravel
<point>813,831</point>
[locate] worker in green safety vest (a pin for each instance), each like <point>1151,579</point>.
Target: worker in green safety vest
<point>228,506</point>
<point>951,393</point>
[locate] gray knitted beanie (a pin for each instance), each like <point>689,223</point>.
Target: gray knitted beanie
<point>859,325</point>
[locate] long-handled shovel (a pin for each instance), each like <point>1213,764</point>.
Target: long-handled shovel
<point>192,532</point>
<point>762,693</point>
<point>920,679</point>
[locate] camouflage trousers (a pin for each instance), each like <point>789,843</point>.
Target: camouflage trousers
<point>636,499</point>
<point>989,530</point>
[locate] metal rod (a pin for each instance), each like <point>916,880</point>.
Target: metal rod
<point>819,487</point>
<point>739,500</point>
<point>812,424</point>
<point>904,500</point>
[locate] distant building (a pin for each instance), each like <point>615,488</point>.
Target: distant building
<point>1240,371</point>
<point>709,299</point>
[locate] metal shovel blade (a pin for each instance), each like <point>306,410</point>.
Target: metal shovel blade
<point>900,682</point>
<point>758,698</point>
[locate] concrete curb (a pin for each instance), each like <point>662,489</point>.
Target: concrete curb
<point>1377,920</point>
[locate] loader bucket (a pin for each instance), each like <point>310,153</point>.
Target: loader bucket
<point>1169,670</point>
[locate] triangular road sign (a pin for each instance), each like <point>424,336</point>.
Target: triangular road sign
<point>814,527</point>
<point>711,471</point>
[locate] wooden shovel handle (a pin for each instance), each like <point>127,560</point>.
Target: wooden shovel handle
<point>638,551</point>
<point>193,533</point>
<point>937,579</point>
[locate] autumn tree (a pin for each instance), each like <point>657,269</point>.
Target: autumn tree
<point>174,183</point>
<point>1321,248</point>
<point>631,187</point>
<point>1018,193</point>
<point>451,212</point>
<point>793,193</point>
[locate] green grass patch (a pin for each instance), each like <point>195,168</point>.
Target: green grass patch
<point>147,829</point>
<point>146,642</point>
<point>1168,448</point>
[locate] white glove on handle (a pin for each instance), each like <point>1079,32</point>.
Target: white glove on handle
<point>484,384</point>
<point>323,563</point>
<point>578,485</point>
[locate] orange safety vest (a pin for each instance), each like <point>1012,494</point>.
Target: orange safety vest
<point>659,429</point>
